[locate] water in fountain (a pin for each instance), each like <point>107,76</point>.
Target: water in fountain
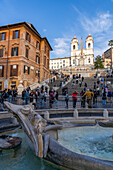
<point>23,158</point>
<point>94,141</point>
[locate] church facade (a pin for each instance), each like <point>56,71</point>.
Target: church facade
<point>80,59</point>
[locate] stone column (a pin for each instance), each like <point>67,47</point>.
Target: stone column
<point>76,114</point>
<point>105,114</point>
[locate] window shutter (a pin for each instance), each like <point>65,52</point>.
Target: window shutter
<point>2,52</point>
<point>39,46</point>
<point>16,70</point>
<point>11,70</point>
<point>29,38</point>
<point>16,51</point>
<point>12,51</point>
<point>26,35</point>
<point>5,36</point>
<point>13,34</point>
<point>18,33</point>
<point>2,71</point>
<point>28,70</point>
<point>38,60</point>
<point>24,68</point>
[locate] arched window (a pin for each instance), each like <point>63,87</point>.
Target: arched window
<point>89,45</point>
<point>73,47</point>
<point>89,60</point>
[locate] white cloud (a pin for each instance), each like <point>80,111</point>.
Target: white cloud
<point>44,30</point>
<point>101,28</point>
<point>100,23</point>
<point>61,47</point>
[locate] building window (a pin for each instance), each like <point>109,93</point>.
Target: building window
<point>3,36</point>
<point>37,59</point>
<point>89,60</point>
<point>14,70</point>
<point>28,37</point>
<point>27,52</point>
<point>37,45</point>
<point>73,61</point>
<point>45,48</point>
<point>26,69</point>
<point>45,61</point>
<point>48,52</point>
<point>1,52</point>
<point>14,51</point>
<point>63,64</point>
<point>16,34</point>
<point>36,73</point>
<point>89,45</point>
<point>73,47</point>
<point>1,71</point>
<point>0,85</point>
<point>63,61</point>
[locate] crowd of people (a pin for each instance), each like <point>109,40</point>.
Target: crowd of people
<point>7,95</point>
<point>41,98</point>
<point>90,96</point>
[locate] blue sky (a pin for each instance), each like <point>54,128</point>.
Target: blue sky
<point>61,20</point>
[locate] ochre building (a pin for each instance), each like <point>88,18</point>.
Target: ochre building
<point>24,55</point>
<point>108,58</point>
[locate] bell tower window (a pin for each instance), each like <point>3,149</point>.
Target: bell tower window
<point>89,60</point>
<point>73,47</point>
<point>89,45</point>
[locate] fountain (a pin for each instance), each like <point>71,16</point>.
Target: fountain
<point>43,138</point>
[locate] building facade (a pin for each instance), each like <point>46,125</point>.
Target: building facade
<point>108,58</point>
<point>24,55</point>
<point>59,63</point>
<point>79,59</point>
<point>82,58</point>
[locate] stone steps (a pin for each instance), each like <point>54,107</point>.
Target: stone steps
<point>89,81</point>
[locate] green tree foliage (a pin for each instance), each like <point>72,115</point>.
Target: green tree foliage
<point>110,43</point>
<point>99,62</point>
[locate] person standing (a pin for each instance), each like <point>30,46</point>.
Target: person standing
<point>89,95</point>
<point>56,99</point>
<point>9,95</point>
<point>95,96</point>
<point>82,98</point>
<point>31,96</point>
<point>74,97</point>
<point>66,99</point>
<point>2,100</point>
<point>82,78</point>
<point>27,97</point>
<point>80,83</point>
<point>42,98</point>
<point>104,97</point>
<point>51,98</point>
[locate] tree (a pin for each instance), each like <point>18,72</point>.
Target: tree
<point>110,43</point>
<point>98,62</point>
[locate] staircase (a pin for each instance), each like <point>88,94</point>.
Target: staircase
<point>90,85</point>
